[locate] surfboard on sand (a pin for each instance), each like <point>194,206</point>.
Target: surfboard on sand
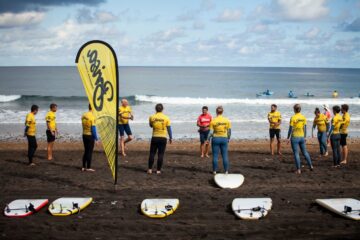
<point>346,207</point>
<point>229,180</point>
<point>251,208</point>
<point>24,207</point>
<point>68,206</point>
<point>159,208</point>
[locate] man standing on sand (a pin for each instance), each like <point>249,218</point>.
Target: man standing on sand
<point>30,133</point>
<point>51,131</point>
<point>203,122</point>
<point>125,114</point>
<point>344,132</point>
<point>334,135</point>
<point>274,118</point>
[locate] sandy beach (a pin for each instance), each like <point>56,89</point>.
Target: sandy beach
<point>205,210</point>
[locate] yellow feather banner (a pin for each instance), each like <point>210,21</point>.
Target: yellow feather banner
<point>98,68</point>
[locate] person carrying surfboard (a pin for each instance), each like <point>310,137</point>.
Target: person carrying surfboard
<point>160,123</point>
<point>51,131</point>
<point>274,118</point>
<point>203,123</point>
<point>297,135</point>
<point>334,135</point>
<point>344,133</point>
<point>220,133</point>
<point>125,114</point>
<point>89,137</point>
<point>30,133</point>
<point>321,122</point>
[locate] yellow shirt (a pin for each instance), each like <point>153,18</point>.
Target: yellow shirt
<point>159,123</point>
<point>124,113</point>
<point>51,120</point>
<point>321,122</point>
<point>87,120</point>
<point>274,117</point>
<point>336,122</point>
<point>220,126</point>
<point>345,124</point>
<point>31,123</point>
<point>298,121</point>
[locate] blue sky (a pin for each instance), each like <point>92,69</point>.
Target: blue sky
<point>280,33</point>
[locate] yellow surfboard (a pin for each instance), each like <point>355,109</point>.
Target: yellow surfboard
<point>159,208</point>
<point>67,206</point>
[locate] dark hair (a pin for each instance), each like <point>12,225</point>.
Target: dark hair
<point>219,110</point>
<point>297,108</point>
<point>159,107</point>
<point>317,110</point>
<point>90,106</point>
<point>336,109</point>
<point>34,108</point>
<point>274,105</point>
<point>52,105</point>
<point>345,107</point>
<point>205,107</point>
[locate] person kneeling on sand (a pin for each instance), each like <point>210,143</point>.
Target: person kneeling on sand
<point>220,133</point>
<point>297,132</point>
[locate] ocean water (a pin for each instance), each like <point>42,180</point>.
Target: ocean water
<point>183,91</point>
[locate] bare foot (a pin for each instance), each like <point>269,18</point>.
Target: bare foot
<point>158,172</point>
<point>50,159</point>
<point>207,155</point>
<point>202,155</point>
<point>123,154</point>
<point>343,162</point>
<point>149,171</point>
<point>90,170</point>
<point>214,172</point>
<point>326,154</point>
<point>32,164</point>
<point>298,171</point>
<point>83,169</point>
<point>279,153</point>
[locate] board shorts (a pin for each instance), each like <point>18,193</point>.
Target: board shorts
<point>49,137</point>
<point>274,132</point>
<point>204,136</point>
<point>124,128</point>
<point>343,139</point>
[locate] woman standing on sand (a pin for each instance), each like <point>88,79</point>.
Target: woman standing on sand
<point>334,135</point>
<point>297,132</point>
<point>321,122</point>
<point>220,133</point>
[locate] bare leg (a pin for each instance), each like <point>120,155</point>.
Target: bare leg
<point>129,138</point>
<point>207,150</point>
<point>122,145</point>
<point>345,152</point>
<point>279,147</point>
<point>272,146</point>
<point>50,150</point>
<point>202,149</point>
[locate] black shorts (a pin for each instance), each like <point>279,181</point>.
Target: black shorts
<point>343,139</point>
<point>49,136</point>
<point>124,128</point>
<point>274,132</point>
<point>204,136</point>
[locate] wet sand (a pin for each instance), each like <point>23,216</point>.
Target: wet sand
<point>205,210</point>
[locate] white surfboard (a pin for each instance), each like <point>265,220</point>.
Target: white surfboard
<point>24,207</point>
<point>346,207</point>
<point>159,208</point>
<point>251,208</point>
<point>229,180</point>
<point>68,206</point>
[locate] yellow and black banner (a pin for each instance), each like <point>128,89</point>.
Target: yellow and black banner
<point>98,68</point>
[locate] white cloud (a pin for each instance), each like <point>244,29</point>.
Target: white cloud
<point>314,36</point>
<point>198,25</point>
<point>302,10</point>
<point>86,15</point>
<point>168,35</point>
<point>229,15</point>
<point>10,20</point>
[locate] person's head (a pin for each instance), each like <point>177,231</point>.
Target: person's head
<point>273,107</point>
<point>336,109</point>
<point>317,112</point>
<point>159,107</point>
<point>205,109</point>
<point>219,110</point>
<point>90,108</point>
<point>344,108</point>
<point>124,102</point>
<point>34,109</point>
<point>53,107</point>
<point>297,108</point>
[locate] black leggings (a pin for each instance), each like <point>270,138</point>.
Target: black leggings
<point>158,144</point>
<point>32,146</point>
<point>89,147</point>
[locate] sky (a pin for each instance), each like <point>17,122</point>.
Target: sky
<point>258,33</point>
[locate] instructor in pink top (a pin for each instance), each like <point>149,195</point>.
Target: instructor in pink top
<point>203,123</point>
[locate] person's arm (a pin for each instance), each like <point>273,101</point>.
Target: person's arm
<point>26,129</point>
<point>150,124</point>
<point>330,131</point>
<point>93,133</point>
<point>211,133</point>
<point>169,130</point>
<point>305,131</point>
<point>229,134</point>
<point>290,132</point>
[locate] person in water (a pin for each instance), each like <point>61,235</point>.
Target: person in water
<point>30,133</point>
<point>334,135</point>
<point>321,122</point>
<point>160,123</point>
<point>125,114</point>
<point>291,94</point>
<point>89,137</point>
<point>344,132</point>
<point>220,133</point>
<point>203,122</point>
<point>297,135</point>
<point>335,94</point>
<point>51,130</point>
<point>274,118</point>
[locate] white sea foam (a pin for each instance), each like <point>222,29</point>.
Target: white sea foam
<point>9,98</point>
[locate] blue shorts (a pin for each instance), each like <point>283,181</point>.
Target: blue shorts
<point>124,128</point>
<point>204,135</point>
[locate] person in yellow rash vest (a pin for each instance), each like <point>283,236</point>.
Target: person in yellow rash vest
<point>125,114</point>
<point>334,135</point>
<point>274,118</point>
<point>30,133</point>
<point>322,123</point>
<point>344,133</point>
<point>51,131</point>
